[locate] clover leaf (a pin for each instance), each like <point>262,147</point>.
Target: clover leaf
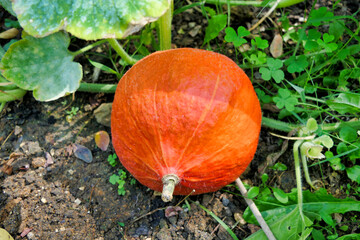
<point>236,38</point>
<point>273,70</point>
<point>319,15</point>
<point>260,43</point>
<point>285,99</point>
<point>327,43</point>
<point>258,59</point>
<point>296,64</point>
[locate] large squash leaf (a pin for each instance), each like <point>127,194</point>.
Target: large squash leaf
<point>318,205</point>
<point>288,227</point>
<point>43,65</point>
<point>88,20</point>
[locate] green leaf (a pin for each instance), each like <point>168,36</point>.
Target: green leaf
<point>7,5</point>
<point>265,73</point>
<point>317,205</point>
<point>278,75</point>
<point>296,64</point>
<point>231,36</point>
<point>287,227</point>
<point>88,20</point>
<point>279,167</point>
<point>43,65</point>
<point>354,173</point>
<point>264,178</point>
<point>262,96</point>
<point>334,162</point>
<point>243,32</point>
<point>253,192</point>
<point>350,236</point>
<point>324,140</point>
<point>345,103</point>
<point>280,195</point>
<point>114,179</point>
<point>258,59</point>
<point>319,15</point>
<point>348,134</point>
<point>274,63</point>
<point>216,24</point>
<point>260,43</point>
<point>285,99</point>
<point>311,125</point>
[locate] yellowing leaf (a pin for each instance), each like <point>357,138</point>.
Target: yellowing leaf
<point>102,140</point>
<point>4,235</point>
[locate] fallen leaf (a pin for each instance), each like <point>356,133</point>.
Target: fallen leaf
<point>83,153</point>
<point>102,140</point>
<point>172,211</point>
<point>276,46</point>
<point>10,33</point>
<point>5,235</point>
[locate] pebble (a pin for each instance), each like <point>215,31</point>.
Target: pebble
<point>77,201</point>
<point>43,200</point>
<point>142,230</point>
<point>38,162</point>
<point>29,177</point>
<point>225,201</point>
<point>30,235</point>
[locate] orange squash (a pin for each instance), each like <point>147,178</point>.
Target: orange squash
<point>185,118</point>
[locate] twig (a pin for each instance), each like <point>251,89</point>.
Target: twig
<point>265,16</point>
<point>255,210</point>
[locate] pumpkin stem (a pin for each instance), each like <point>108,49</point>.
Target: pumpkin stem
<point>169,181</point>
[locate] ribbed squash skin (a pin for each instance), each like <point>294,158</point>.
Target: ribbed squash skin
<point>188,112</point>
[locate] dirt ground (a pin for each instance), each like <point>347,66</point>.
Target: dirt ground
<point>51,194</point>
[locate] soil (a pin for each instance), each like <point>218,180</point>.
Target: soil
<point>49,193</point>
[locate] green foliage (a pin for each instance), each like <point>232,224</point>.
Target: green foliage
<point>236,38</point>
<point>104,20</point>
<point>43,65</point>
<point>112,159</point>
<point>216,24</point>
<point>273,70</point>
<point>120,179</point>
<point>317,206</point>
<point>285,99</point>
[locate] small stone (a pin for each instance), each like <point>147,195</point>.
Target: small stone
<point>77,201</point>
<point>30,147</point>
<point>17,130</point>
<point>30,235</point>
<point>29,177</point>
<point>43,200</point>
<point>38,162</point>
<point>192,24</point>
<point>225,201</point>
<point>62,229</point>
<point>71,172</point>
<point>81,188</point>
<point>103,114</point>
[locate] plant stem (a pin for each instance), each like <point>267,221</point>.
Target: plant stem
<point>97,87</point>
<point>169,181</point>
<point>88,47</point>
<point>122,53</point>
<point>278,125</point>
<point>298,176</point>
<point>165,28</point>
<point>255,210</point>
